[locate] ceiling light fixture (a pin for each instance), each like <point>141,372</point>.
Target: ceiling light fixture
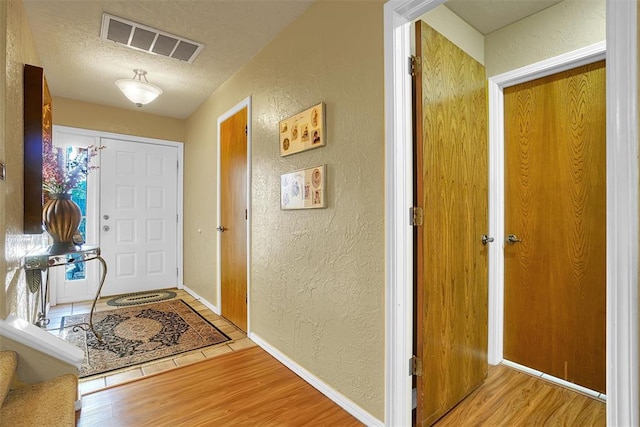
<point>138,91</point>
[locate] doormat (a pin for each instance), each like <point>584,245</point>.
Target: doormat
<point>140,298</point>
<point>139,334</point>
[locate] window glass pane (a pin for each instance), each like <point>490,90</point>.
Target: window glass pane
<point>79,195</point>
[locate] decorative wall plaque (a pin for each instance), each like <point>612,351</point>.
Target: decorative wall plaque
<point>303,131</point>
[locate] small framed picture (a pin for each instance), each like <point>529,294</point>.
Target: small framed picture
<point>303,131</point>
<point>304,189</point>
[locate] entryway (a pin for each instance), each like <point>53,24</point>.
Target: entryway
<point>133,209</point>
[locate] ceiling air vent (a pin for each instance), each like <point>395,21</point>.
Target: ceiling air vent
<point>147,39</point>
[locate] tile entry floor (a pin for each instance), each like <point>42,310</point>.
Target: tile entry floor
<point>90,384</point>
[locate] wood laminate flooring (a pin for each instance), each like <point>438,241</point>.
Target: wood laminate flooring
<point>243,388</point>
<point>512,398</point>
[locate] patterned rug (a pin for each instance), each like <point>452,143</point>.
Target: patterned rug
<point>139,334</point>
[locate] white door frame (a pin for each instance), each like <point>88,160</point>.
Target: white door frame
<point>131,138</point>
<point>622,210</point>
<point>242,104</point>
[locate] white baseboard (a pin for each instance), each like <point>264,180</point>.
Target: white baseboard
<point>202,300</point>
<point>342,401</point>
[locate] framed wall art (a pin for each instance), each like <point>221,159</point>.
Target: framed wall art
<point>303,131</point>
<point>304,189</point>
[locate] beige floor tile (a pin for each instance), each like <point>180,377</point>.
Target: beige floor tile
<point>243,343</point>
<point>54,323</point>
<point>153,368</point>
<point>189,358</point>
<point>217,351</point>
<point>123,376</point>
<point>210,316</point>
<point>220,322</point>
<point>236,335</point>
<point>228,329</point>
<point>91,385</point>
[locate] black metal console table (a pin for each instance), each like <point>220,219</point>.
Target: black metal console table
<point>42,259</point>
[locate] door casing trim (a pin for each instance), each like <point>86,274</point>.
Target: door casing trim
<point>497,84</point>
<point>239,106</point>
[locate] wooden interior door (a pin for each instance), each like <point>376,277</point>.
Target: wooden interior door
<point>555,203</point>
<point>451,261</point>
<point>233,218</point>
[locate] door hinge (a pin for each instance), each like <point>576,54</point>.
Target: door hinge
<point>415,366</point>
<point>416,216</point>
<point>414,398</point>
<point>177,164</point>
<point>177,272</point>
<point>246,130</point>
<point>413,65</point>
<point>245,214</point>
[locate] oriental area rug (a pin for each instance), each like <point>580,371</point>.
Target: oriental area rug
<point>139,334</point>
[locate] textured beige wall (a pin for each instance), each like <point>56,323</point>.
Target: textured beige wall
<point>3,202</point>
<point>454,28</point>
<point>84,115</point>
<point>317,291</point>
<point>20,49</point>
<point>562,28</point>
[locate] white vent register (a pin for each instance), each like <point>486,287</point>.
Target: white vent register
<point>147,39</point>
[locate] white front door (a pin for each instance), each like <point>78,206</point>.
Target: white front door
<point>138,215</point>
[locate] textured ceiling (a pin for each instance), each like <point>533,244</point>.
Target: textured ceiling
<point>79,65</point>
<point>487,16</point>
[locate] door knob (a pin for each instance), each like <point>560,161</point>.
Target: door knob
<point>486,239</point>
<point>106,228</point>
<point>222,229</point>
<point>512,239</point>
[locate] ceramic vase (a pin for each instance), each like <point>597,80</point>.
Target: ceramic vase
<point>61,217</point>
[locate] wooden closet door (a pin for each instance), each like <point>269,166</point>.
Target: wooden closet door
<point>555,277</point>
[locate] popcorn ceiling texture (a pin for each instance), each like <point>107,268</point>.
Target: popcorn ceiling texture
<point>317,276</point>
<point>567,26</point>
<point>20,50</point>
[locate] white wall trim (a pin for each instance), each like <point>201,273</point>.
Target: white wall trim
<point>204,302</point>
<point>557,64</point>
<point>497,83</point>
<point>622,214</point>
<point>337,397</point>
<point>238,107</point>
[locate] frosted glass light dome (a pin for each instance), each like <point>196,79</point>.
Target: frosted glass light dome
<point>138,91</point>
